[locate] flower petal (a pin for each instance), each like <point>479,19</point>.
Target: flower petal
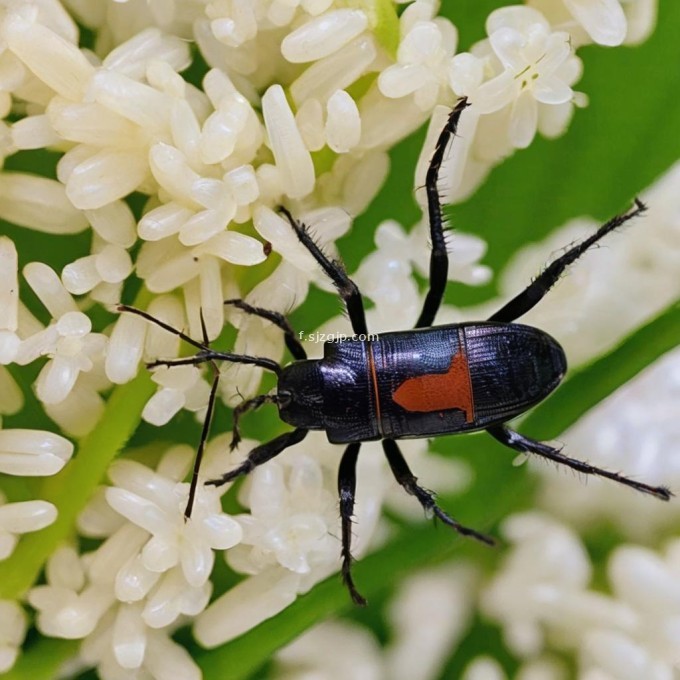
<point>557,51</point>
<point>517,17</point>
<point>551,90</point>
<point>495,93</point>
<point>507,44</point>
<point>604,20</point>
<point>523,120</point>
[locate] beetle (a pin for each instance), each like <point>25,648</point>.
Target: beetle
<point>429,381</point>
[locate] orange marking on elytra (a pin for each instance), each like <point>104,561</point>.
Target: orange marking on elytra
<point>439,391</point>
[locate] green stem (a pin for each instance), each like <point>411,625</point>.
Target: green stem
<point>44,660</point>
<point>385,23</point>
<point>71,488</point>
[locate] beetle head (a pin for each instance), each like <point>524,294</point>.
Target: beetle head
<point>300,396</point>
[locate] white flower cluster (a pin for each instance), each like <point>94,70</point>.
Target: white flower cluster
<point>543,592</point>
<point>290,534</point>
<point>298,103</point>
<point>519,80</point>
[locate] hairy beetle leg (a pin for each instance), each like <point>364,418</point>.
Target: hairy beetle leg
<point>348,290</point>
<point>439,257</point>
<point>260,455</point>
<point>243,408</point>
<point>537,289</point>
<point>519,442</point>
<point>408,481</point>
<point>279,320</point>
<point>347,484</point>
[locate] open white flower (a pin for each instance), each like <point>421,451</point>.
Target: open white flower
<point>291,521</point>
<point>538,67</point>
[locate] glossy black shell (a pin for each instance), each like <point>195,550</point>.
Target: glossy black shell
<point>350,393</point>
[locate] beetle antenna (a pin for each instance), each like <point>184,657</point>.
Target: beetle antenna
<point>162,324</point>
<point>204,330</point>
<point>205,430</point>
<point>204,355</point>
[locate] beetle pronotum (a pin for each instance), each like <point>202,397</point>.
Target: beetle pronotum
<point>429,381</point>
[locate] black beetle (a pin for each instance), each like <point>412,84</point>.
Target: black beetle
<point>429,381</point>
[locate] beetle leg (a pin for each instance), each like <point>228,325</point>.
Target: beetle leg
<point>439,258</point>
<point>260,455</point>
<point>243,408</point>
<point>537,289</point>
<point>348,290</point>
<point>519,442</point>
<point>347,484</point>
<point>292,342</point>
<point>408,481</point>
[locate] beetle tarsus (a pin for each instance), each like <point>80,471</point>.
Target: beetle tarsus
<point>260,455</point>
<point>347,484</point>
<point>347,579</point>
<point>243,408</point>
<point>460,528</point>
<point>402,473</point>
